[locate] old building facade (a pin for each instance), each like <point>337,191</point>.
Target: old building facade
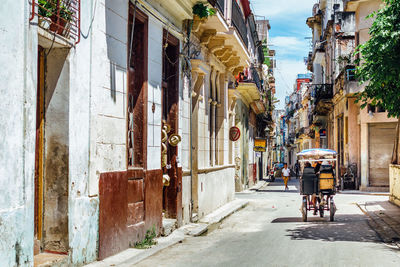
<point>363,138</point>
<point>121,118</point>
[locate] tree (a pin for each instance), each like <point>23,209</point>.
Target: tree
<point>379,65</point>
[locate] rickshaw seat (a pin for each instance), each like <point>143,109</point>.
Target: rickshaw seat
<point>326,179</point>
<point>309,181</point>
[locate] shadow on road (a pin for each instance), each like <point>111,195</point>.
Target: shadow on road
<point>344,228</point>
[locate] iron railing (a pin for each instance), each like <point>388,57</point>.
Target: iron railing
<point>322,92</point>
<point>256,78</point>
<point>220,4</point>
<point>350,74</point>
<point>62,17</point>
<point>239,22</point>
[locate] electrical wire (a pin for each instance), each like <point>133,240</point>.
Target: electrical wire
<point>85,36</point>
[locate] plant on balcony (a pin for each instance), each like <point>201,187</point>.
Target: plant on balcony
<point>61,16</point>
<point>380,65</point>
<point>203,11</point>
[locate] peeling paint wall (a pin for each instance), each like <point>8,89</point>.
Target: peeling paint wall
<point>56,165</point>
<point>17,125</point>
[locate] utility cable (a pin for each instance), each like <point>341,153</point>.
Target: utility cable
<point>85,36</point>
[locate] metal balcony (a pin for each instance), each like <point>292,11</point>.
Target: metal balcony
<point>256,78</point>
<point>62,17</point>
<point>220,4</point>
<point>322,92</point>
<point>239,22</point>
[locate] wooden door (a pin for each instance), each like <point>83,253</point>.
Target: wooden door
<point>38,227</point>
<point>172,204</point>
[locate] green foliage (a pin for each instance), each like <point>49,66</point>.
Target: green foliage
<point>45,8</point>
<point>267,60</point>
<point>380,60</point>
<point>48,8</point>
<point>148,240</point>
<point>202,10</point>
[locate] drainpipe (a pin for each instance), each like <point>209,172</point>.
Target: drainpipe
<point>190,25</point>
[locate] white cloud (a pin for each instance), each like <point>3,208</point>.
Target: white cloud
<point>289,46</point>
<point>285,41</point>
<point>273,8</point>
<point>285,75</point>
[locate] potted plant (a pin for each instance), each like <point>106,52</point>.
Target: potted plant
<point>58,18</point>
<point>45,11</point>
<point>202,11</point>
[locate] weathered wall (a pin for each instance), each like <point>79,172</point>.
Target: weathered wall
<point>394,174</point>
<point>215,189</point>
<point>362,24</point>
<point>186,199</point>
<point>83,206</point>
<point>109,86</point>
<point>56,155</point>
<point>17,130</point>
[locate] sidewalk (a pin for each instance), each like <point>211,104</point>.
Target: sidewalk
<point>132,255</point>
<point>384,220</point>
<point>257,186</point>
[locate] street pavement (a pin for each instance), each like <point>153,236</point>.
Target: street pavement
<point>270,232</point>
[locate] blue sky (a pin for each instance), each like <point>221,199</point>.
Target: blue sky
<point>288,30</point>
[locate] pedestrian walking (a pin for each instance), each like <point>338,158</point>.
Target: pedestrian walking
<point>297,169</point>
<point>286,175</point>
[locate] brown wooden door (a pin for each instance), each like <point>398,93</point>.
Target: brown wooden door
<point>39,150</point>
<point>172,195</point>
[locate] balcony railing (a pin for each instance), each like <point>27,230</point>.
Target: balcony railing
<point>350,74</point>
<point>322,92</point>
<point>256,78</point>
<point>62,17</point>
<point>220,4</point>
<point>239,22</point>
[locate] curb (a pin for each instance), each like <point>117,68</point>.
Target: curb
<point>132,256</point>
<point>379,222</point>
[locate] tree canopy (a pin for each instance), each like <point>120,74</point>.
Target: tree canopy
<point>379,64</point>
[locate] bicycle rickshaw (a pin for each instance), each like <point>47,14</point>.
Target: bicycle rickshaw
<point>318,188</point>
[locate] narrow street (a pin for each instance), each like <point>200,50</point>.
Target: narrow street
<point>270,232</point>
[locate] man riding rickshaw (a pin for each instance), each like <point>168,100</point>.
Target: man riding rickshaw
<point>317,182</point>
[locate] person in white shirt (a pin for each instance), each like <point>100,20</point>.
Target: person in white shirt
<point>286,175</point>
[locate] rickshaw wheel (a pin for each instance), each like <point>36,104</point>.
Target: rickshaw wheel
<point>321,211</point>
<point>332,210</point>
<point>304,209</point>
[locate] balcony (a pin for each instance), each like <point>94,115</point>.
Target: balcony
<point>60,17</point>
<point>322,92</point>
<point>220,4</point>
<point>239,22</point>
<point>256,78</point>
<point>322,95</point>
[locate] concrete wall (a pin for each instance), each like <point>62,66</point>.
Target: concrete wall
<point>215,189</point>
<point>109,88</point>
<point>394,176</point>
<point>362,25</point>
<point>56,147</point>
<point>18,55</point>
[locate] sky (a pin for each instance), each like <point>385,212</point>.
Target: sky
<point>287,37</point>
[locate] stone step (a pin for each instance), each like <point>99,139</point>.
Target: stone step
<point>168,226</point>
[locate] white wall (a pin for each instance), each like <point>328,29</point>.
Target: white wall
<point>18,56</point>
<point>215,189</point>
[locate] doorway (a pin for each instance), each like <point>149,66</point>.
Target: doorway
<point>52,152</point>
<point>172,195</point>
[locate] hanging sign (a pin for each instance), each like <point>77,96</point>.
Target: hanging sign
<point>260,145</point>
<point>234,133</point>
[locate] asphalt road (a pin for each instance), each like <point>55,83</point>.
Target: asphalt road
<point>270,232</point>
